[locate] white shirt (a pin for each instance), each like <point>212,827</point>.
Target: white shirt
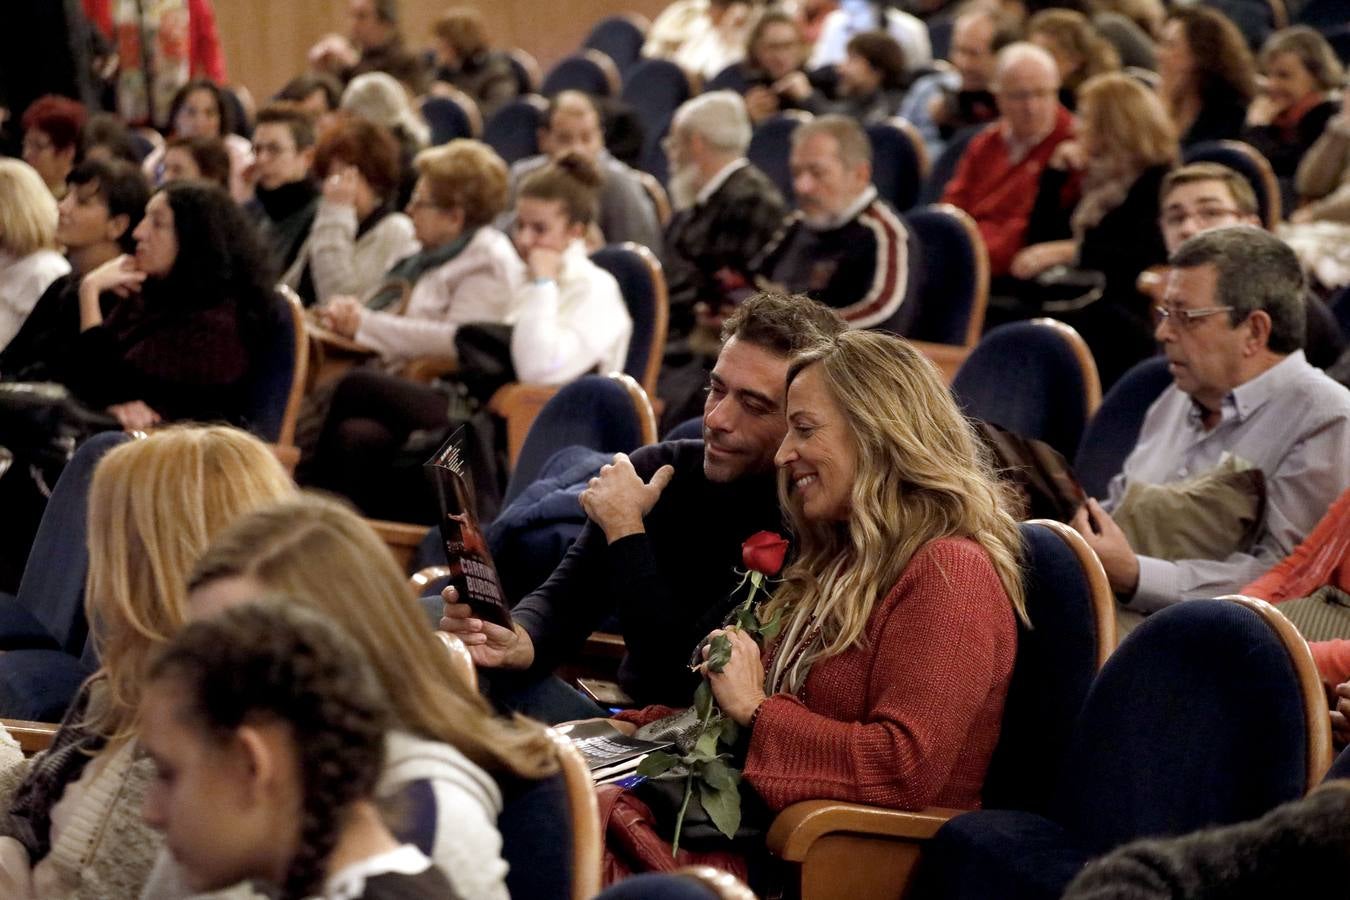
<point>571,326</point>
<point>22,281</point>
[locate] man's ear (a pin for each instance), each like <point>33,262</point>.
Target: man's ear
<point>1258,331</point>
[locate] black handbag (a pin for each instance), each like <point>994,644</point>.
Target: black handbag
<point>42,422</point>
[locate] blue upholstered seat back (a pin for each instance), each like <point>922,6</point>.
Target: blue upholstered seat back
<point>1056,663</point>
<point>273,371</point>
<point>1114,428</point>
<point>655,88</point>
<point>658,886</point>
<point>537,839</point>
<point>1026,378</point>
<point>618,38</point>
<point>513,130</point>
<point>447,119</point>
<point>639,295</point>
<point>732,78</point>
<point>1197,719</point>
<point>770,149</point>
<point>895,165</point>
<point>946,275</point>
<point>576,73</point>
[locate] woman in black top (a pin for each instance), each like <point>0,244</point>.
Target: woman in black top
<point>1208,76</point>
<point>182,336</point>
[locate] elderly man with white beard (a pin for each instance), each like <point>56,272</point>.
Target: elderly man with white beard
<point>843,246</point>
<point>726,209</point>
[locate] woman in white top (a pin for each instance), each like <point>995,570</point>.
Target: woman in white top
<point>29,262</point>
<point>467,271</point>
<point>571,317</point>
<point>357,235</point>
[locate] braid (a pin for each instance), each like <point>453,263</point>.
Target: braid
<point>278,661</point>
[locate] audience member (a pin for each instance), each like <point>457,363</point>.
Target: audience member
<point>843,246</point>
<point>573,124</point>
<point>1208,76</point>
<point>466,271</point>
<point>1290,114</point>
<point>716,38</point>
<point>664,536</point>
<point>379,98</point>
<point>726,209</point>
<point>944,102</point>
<point>51,139</point>
<point>1134,44</point>
<point>316,93</point>
<point>1079,51</point>
<point>996,180</point>
<point>569,319</point>
<point>771,75</point>
<point>285,197</point>
<point>906,552</point>
<point>1203,196</point>
<point>853,17</point>
<point>102,207</point>
<point>29,260</point>
<point>159,51</point>
<point>1232,325</point>
<point>105,137</point>
<point>811,16</point>
<point>266,728</point>
<point>199,110</point>
<point>444,751</point>
<point>872,78</point>
<point>74,825</point>
<point>357,235</point>
<point>466,61</point>
<point>1125,146</point>
<point>677,23</point>
<point>201,158</point>
<point>373,44</point>
<point>1323,176</point>
<point>180,337</point>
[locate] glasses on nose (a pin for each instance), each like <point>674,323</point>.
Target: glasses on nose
<point>1207,216</point>
<point>1185,318</point>
<point>415,203</point>
<point>269,150</point>
<point>1026,96</point>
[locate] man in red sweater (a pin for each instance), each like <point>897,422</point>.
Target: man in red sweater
<point>997,178</point>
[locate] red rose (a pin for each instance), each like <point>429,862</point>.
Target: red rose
<point>763,552</point>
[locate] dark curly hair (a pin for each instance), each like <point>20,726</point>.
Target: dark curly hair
<point>219,254</point>
<point>1224,65</point>
<point>225,108</point>
<point>277,661</point>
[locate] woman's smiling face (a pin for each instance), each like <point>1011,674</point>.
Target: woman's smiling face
<point>818,453</point>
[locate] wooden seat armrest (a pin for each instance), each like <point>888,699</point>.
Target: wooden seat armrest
<point>288,456</point>
<point>33,737</point>
<point>425,369</point>
<point>335,341</point>
<point>799,826</point>
<point>423,577</point>
<point>401,538</point>
<point>519,404</point>
<point>606,645</point>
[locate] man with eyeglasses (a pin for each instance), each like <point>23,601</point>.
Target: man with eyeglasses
<point>285,199</point>
<point>997,178</point>
<point>1202,196</point>
<point>1231,324</point>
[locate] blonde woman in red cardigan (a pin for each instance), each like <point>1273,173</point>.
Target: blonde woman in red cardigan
<point>887,681</point>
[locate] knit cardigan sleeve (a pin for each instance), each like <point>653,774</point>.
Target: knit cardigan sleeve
<point>342,263</point>
<point>933,672</point>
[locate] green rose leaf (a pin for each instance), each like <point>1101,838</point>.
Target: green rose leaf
<point>703,700</point>
<point>769,630</point>
<point>723,807</point>
<point>706,746</point>
<point>730,732</point>
<point>719,653</point>
<point>719,776</point>
<point>657,763</point>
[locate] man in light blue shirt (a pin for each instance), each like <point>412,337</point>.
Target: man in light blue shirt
<point>1232,327</point>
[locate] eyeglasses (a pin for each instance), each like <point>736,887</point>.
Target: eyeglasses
<point>1027,95</point>
<point>1207,216</point>
<point>1185,318</point>
<point>415,202</point>
<point>270,150</point>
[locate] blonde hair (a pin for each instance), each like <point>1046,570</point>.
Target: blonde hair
<point>467,175</point>
<point>1074,34</point>
<point>320,553</point>
<point>28,210</point>
<point>154,506</point>
<point>1312,51</point>
<point>921,475</point>
<point>1129,120</point>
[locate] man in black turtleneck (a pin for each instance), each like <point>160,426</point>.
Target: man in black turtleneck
<point>285,197</point>
<point>664,538</point>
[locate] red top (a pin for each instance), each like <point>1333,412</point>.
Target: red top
<point>909,716</point>
<point>999,194</point>
<point>1323,558</point>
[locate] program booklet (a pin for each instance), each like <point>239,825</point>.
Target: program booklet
<point>609,753</point>
<point>466,551</point>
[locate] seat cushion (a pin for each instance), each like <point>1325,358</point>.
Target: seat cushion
<point>19,628</point>
<point>537,839</point>
<point>998,853</point>
<point>39,684</point>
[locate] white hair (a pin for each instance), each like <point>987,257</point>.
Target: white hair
<point>719,117</point>
<point>380,98</point>
<point>1023,51</point>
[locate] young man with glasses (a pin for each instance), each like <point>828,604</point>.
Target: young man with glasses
<point>285,198</point>
<point>1231,323</point>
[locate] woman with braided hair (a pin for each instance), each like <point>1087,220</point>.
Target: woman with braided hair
<point>266,726</point>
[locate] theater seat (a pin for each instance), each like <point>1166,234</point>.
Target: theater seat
<point>1114,429</point>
